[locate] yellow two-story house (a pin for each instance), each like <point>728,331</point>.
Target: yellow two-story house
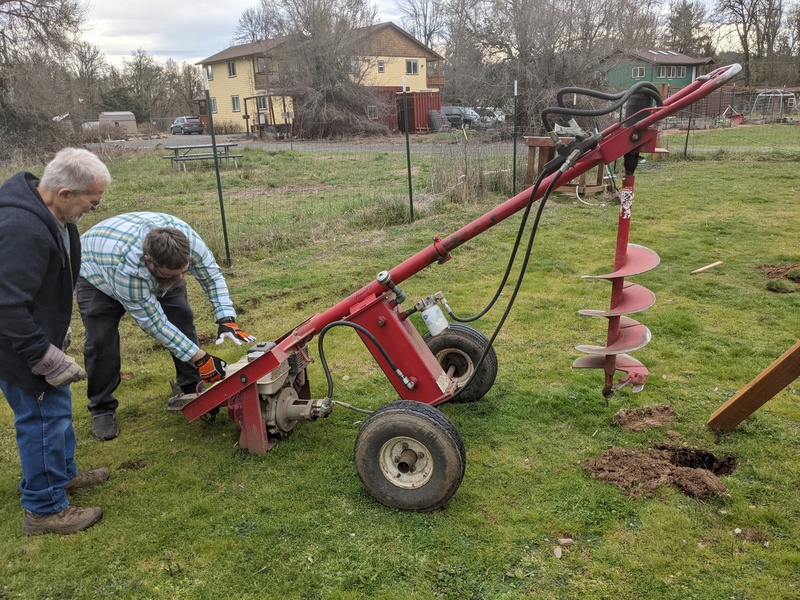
<point>242,78</point>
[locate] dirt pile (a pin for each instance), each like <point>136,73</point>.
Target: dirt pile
<point>694,471</point>
<point>645,417</point>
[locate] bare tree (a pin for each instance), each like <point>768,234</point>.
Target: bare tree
<point>793,39</point>
<point>742,15</point>
<point>182,85</point>
<point>543,45</point>
<point>768,29</point>
<point>321,62</point>
<point>49,26</point>
<point>424,19</point>
<point>255,24</point>
<point>34,88</point>
<point>89,68</point>
<point>635,25</point>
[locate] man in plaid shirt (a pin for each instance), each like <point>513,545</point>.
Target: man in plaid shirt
<point>136,263</point>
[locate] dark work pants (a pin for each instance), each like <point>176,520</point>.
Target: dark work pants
<point>101,315</point>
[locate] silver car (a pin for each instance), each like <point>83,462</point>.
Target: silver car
<point>186,125</point>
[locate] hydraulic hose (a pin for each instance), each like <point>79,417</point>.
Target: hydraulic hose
<point>644,88</point>
<point>523,269</point>
<point>371,337</point>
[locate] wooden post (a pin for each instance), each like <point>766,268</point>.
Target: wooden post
<point>756,393</point>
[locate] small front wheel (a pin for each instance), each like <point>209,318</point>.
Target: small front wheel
<point>458,349</point>
<point>410,456</point>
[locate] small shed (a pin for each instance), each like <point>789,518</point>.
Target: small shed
<point>123,119</point>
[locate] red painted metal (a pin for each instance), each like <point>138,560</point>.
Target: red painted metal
<point>419,104</point>
<point>382,317</point>
<point>635,298</point>
<point>372,305</point>
<point>624,334</point>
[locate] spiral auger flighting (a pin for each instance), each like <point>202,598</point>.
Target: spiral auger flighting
<point>624,334</point>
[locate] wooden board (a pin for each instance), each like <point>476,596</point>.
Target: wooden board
<point>760,390</point>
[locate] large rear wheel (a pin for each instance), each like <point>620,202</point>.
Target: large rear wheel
<point>410,456</point>
<point>458,349</point>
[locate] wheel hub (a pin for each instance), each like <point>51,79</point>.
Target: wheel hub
<point>405,462</point>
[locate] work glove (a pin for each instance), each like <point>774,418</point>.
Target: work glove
<point>212,369</point>
<point>58,368</point>
<point>228,329</point>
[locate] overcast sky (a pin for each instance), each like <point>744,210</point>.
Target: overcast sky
<point>184,30</point>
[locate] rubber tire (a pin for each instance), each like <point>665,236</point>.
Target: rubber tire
<point>463,345</point>
<point>426,426</point>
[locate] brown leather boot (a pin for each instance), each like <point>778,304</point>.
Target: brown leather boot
<point>87,479</point>
<point>70,520</point>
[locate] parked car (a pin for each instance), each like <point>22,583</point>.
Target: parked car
<point>186,125</point>
<point>489,114</point>
<point>460,116</point>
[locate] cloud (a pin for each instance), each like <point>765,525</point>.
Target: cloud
<point>183,30</point>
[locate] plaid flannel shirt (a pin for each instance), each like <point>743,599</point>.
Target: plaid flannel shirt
<point>112,260</point>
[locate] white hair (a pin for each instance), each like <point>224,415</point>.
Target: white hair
<point>76,169</point>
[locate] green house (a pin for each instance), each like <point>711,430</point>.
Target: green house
<point>665,68</point>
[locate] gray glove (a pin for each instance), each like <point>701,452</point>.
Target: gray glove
<point>58,368</point>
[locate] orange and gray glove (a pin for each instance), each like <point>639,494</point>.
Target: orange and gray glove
<point>212,369</point>
<point>228,329</point>
<point>58,368</point>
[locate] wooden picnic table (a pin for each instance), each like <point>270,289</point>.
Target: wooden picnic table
<point>542,150</point>
<point>182,154</point>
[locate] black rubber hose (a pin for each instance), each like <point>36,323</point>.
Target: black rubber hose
<point>359,328</point>
<point>643,88</point>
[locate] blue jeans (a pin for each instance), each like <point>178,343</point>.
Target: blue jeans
<point>46,443</point>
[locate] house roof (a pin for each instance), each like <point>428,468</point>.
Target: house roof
<point>662,57</point>
<point>365,35</point>
<point>244,50</point>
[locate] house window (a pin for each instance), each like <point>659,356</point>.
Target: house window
<point>213,105</point>
<point>372,112</point>
<point>355,65</point>
<point>671,72</point>
<point>412,67</point>
<point>209,73</point>
<point>381,66</point>
<point>231,68</point>
<point>235,104</point>
<point>637,72</point>
<point>261,102</point>
<point>261,65</point>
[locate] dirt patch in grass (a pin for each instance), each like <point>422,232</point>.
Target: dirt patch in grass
<point>286,190</point>
<point>205,338</point>
<point>783,279</point>
<point>778,271</point>
<point>644,418</point>
<point>694,471</point>
<point>132,465</point>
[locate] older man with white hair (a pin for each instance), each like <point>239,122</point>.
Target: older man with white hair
<point>40,257</point>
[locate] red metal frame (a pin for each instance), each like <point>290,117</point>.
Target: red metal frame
<point>373,308</point>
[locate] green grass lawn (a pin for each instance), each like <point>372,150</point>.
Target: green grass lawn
<point>188,515</point>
